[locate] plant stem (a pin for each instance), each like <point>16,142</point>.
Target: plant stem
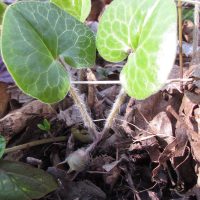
<point>35,143</point>
<point>88,122</point>
<point>180,41</point>
<point>114,111</point>
<point>109,121</point>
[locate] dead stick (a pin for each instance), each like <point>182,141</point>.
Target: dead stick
<point>35,143</point>
<point>180,41</point>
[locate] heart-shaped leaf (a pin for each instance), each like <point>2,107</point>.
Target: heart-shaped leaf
<point>77,8</point>
<point>22,182</point>
<point>2,145</point>
<point>34,36</point>
<point>145,31</point>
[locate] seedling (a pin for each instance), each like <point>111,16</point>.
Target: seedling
<point>44,126</point>
<point>40,41</point>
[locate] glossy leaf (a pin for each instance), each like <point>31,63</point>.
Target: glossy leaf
<point>35,35</point>
<point>2,145</point>
<point>80,9</point>
<point>144,31</point>
<point>22,182</point>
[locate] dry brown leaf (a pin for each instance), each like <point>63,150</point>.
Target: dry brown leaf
<point>16,121</point>
<point>188,27</point>
<point>112,177</point>
<point>92,91</point>
<point>167,153</point>
<point>197,118</point>
<point>161,126</point>
<point>80,190</point>
<point>71,116</point>
<point>5,97</point>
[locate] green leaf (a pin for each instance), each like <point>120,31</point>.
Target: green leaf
<point>188,14</point>
<point>144,31</point>
<point>2,9</point>
<point>34,36</point>
<point>46,124</point>
<point>42,127</point>
<point>80,9</point>
<point>22,182</point>
<point>2,145</point>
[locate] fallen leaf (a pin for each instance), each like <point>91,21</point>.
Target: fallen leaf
<point>161,126</point>
<point>197,118</point>
<point>80,190</point>
<point>164,156</point>
<point>71,116</point>
<point>4,100</point>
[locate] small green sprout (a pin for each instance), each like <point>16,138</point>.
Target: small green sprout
<point>45,125</point>
<point>2,145</point>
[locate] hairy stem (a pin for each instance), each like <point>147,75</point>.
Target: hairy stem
<point>109,121</point>
<point>114,111</point>
<point>35,143</point>
<point>88,122</point>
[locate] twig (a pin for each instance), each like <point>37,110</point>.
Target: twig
<point>195,57</point>
<point>179,80</point>
<point>151,134</point>
<point>128,114</point>
<point>180,41</point>
<point>96,82</point>
<point>117,82</point>
<point>35,143</point>
<point>188,155</point>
